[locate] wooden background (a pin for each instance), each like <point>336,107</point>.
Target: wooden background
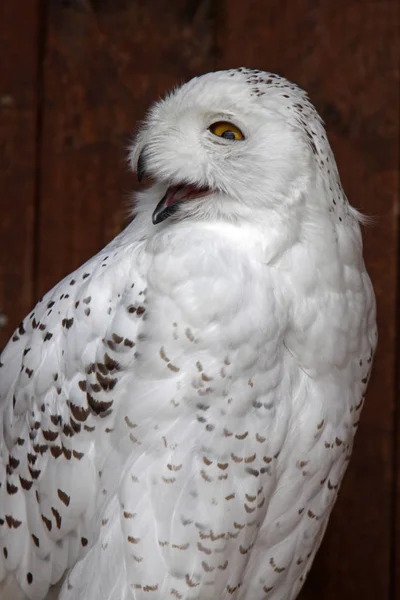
<point>75,78</point>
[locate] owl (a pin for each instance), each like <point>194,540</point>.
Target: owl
<point>177,415</point>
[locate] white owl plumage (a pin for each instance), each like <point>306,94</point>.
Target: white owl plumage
<point>177,414</point>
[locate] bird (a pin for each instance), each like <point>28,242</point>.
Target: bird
<point>177,414</point>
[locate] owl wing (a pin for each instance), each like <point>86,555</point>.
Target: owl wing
<point>59,384</point>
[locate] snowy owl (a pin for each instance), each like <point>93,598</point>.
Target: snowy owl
<point>178,413</point>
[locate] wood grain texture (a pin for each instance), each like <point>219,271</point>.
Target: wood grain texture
<point>105,63</point>
<point>344,53</point>
<point>19,38</point>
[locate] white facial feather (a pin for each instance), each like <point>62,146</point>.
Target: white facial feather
<point>178,413</point>
<point>278,166</point>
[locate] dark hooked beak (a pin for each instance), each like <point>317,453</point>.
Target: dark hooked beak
<point>174,196</point>
<point>162,210</point>
<point>141,165</point>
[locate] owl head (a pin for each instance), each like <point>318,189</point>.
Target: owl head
<point>232,145</point>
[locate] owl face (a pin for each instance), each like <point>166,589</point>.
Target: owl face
<point>224,145</point>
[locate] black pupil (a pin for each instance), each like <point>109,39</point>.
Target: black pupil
<point>228,135</point>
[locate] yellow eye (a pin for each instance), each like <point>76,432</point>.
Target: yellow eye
<point>225,130</point>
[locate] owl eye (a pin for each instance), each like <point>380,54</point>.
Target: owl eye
<point>226,130</point>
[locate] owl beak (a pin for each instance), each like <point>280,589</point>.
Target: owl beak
<point>163,210</point>
<point>141,165</point>
<point>173,197</point>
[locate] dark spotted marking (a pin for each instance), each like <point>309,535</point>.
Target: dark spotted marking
<point>47,522</point>
<point>244,550</point>
<point>276,569</point>
<point>57,517</point>
<point>232,590</point>
<point>32,458</point>
<point>100,406</point>
<point>11,488</point>
<point>133,540</point>
<point>106,383</point>
<point>67,452</point>
<point>56,451</point>
<point>67,323</point>
<point>253,472</point>
<point>63,497</point>
<point>56,419</point>
<point>110,364</point>
<point>128,515</point>
<point>12,523</point>
<point>150,588</point>
<point>25,484</point>
<point>40,448</point>
<point>79,412</point>
<point>189,582</point>
<point>250,459</point>
<point>102,368</point>
<point>68,431</point>
<point>34,473</point>
<point>13,462</point>
<point>5,552</point>
<point>129,422</point>
<point>29,578</point>
<point>49,435</point>
<point>75,426</point>
<point>47,337</point>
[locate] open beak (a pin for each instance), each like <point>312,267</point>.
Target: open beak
<point>173,197</point>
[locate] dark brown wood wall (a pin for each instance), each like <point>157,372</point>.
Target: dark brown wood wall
<point>75,78</point>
